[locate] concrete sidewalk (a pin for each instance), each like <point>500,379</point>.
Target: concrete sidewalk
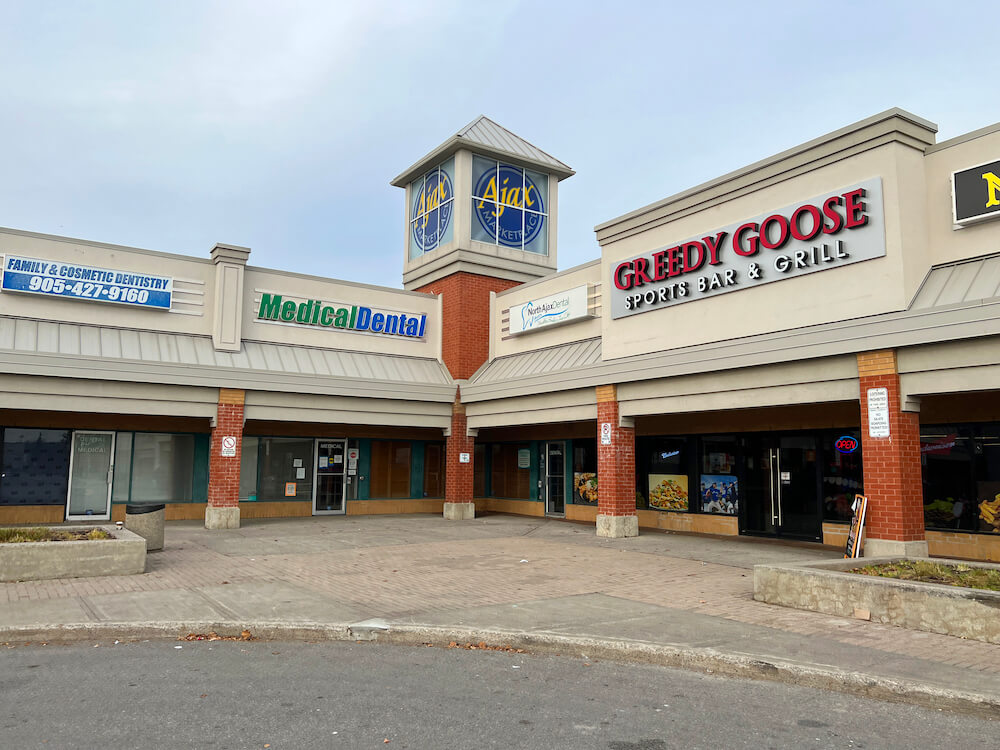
<point>528,582</point>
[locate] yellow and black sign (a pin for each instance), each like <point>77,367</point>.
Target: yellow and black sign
<point>976,193</point>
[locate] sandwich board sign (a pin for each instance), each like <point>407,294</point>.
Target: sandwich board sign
<point>854,545</point>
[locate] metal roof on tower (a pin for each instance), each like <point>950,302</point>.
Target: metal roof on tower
<point>483,136</point>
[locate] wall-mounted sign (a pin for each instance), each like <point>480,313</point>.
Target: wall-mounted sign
<point>464,458</point>
<point>976,193</point>
<point>828,231</point>
<point>553,309</point>
<point>846,444</point>
<point>508,205</point>
<point>878,412</point>
<point>229,446</point>
<point>433,201</point>
<point>72,281</point>
<point>351,318</point>
<point>606,433</point>
<point>523,458</point>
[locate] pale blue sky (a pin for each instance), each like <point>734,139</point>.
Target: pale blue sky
<point>278,125</point>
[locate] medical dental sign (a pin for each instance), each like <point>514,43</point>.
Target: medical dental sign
<point>555,309</point>
<point>829,231</point>
<point>314,312</point>
<point>72,281</point>
<point>499,193</point>
<point>432,207</point>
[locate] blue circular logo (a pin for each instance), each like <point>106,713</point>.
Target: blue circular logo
<point>846,444</point>
<point>432,210</point>
<point>499,193</point>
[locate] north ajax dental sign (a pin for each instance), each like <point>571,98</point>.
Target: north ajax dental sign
<point>834,229</point>
<point>555,309</point>
<point>314,312</point>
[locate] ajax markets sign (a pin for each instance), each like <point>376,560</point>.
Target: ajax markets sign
<point>314,312</point>
<point>509,206</point>
<point>555,309</point>
<point>72,281</point>
<point>828,231</point>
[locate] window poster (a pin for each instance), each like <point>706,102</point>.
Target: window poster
<point>719,494</point>
<point>668,491</point>
<point>584,487</point>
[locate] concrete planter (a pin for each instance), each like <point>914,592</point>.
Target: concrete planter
<point>826,587</point>
<point>124,554</point>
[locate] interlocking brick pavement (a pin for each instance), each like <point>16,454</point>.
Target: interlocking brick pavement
<point>398,567</point>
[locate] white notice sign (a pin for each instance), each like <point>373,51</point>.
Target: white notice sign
<point>878,412</point>
<point>605,433</point>
<point>229,446</point>
<point>464,458</point>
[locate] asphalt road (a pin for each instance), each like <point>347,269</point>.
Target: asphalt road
<point>337,695</point>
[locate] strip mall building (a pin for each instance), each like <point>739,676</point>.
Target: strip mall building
<point>743,358</point>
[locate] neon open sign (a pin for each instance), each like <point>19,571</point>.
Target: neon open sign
<point>846,444</point>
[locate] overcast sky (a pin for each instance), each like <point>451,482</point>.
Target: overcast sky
<point>278,125</point>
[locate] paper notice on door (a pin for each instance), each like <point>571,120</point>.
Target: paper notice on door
<point>296,463</point>
<point>300,473</point>
<point>324,462</point>
<point>338,459</point>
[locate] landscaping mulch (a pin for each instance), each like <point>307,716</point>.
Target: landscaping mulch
<point>13,536</point>
<point>930,572</point>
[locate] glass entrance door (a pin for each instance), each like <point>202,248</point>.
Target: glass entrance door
<point>330,465</point>
<point>91,469</point>
<point>781,478</point>
<point>555,478</point>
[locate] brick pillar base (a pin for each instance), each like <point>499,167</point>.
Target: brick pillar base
<point>616,516</point>
<point>458,478</point>
<point>891,466</point>
<point>223,511</point>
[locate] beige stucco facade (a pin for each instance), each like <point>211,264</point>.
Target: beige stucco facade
<point>779,357</point>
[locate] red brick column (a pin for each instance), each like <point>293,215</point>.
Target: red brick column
<point>223,511</point>
<point>616,516</point>
<point>458,479</point>
<point>465,308</point>
<point>895,522</point>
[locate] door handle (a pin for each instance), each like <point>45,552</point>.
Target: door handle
<point>770,476</point>
<point>778,462</point>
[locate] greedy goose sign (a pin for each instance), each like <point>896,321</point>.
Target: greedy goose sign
<point>828,231</point>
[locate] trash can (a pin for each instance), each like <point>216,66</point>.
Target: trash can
<point>146,520</point>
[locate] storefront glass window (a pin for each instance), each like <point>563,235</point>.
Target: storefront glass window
<point>285,467</point>
<point>434,469</point>
<point>664,484</point>
<point>162,467</point>
<point>390,471</point>
<point>843,477</point>
<point>719,488</point>
<point>585,472</point>
<point>123,468</point>
<point>479,471</point>
<point>961,476</point>
<point>510,470</point>
<point>248,468</point>
<point>35,467</point>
